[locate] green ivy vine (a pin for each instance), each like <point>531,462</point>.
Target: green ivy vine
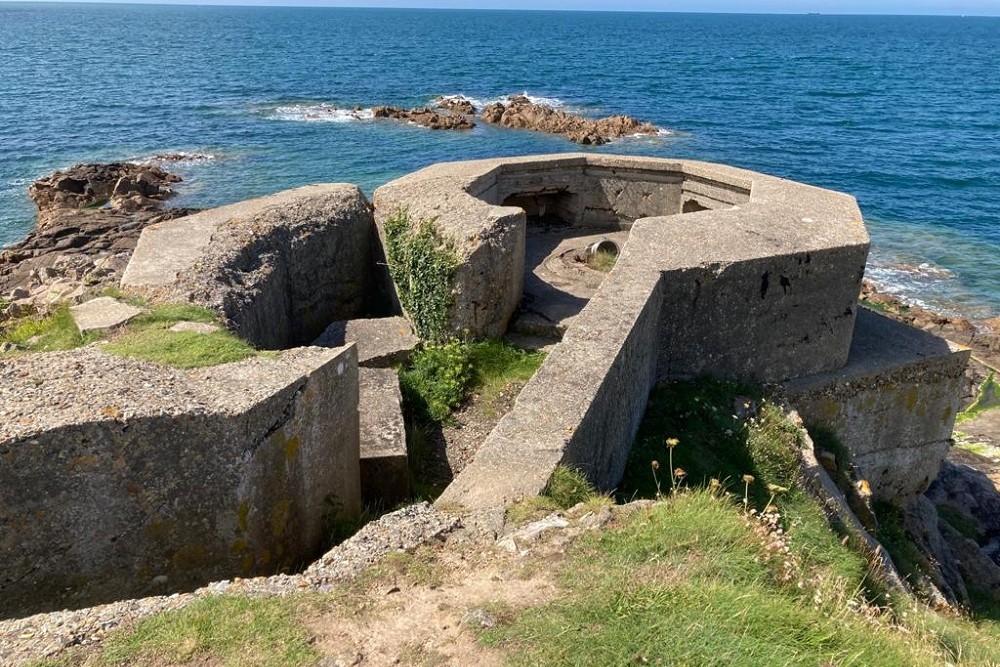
<point>423,268</point>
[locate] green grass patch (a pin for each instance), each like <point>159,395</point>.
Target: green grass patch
<point>721,431</point>
<point>566,488</point>
<point>987,398</point>
<point>146,336</point>
<point>227,630</point>
<point>49,333</point>
<point>494,366</point>
<point>691,581</point>
<point>437,379</point>
<point>180,349</point>
<point>441,377</point>
<point>602,261</point>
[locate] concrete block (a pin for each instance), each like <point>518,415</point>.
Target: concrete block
<point>123,478</point>
<point>102,314</point>
<point>385,474</point>
<point>893,405</point>
<point>194,327</point>
<point>278,269</point>
<point>381,342</point>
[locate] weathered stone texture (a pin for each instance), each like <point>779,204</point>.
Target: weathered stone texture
<point>163,479</point>
<point>584,402</point>
<point>385,475</point>
<point>102,314</point>
<point>382,342</point>
<point>760,284</point>
<point>893,405</point>
<point>278,268</point>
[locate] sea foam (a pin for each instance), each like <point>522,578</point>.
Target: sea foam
<point>320,113</point>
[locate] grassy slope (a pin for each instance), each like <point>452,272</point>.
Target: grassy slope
<point>145,337</point>
<point>699,578</point>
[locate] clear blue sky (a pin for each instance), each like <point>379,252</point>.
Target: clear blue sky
<point>954,7</point>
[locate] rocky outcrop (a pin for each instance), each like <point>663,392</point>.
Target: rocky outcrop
<point>455,104</point>
<point>120,186</point>
<point>425,117</point>
<point>521,113</point>
<point>955,526</point>
<point>89,219</point>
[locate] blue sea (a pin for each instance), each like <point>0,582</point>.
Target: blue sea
<point>902,112</point>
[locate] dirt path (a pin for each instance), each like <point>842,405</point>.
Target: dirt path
<point>431,613</point>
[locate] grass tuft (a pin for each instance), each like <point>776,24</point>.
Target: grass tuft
<point>184,349</point>
<point>52,332</point>
<point>987,398</point>
<point>602,261</point>
<point>225,630</point>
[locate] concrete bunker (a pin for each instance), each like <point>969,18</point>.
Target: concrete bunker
<point>191,476</point>
<point>525,224</point>
<point>758,283</point>
<point>573,212</point>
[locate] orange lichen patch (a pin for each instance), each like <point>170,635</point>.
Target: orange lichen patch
<point>279,517</point>
<point>189,556</point>
<point>291,447</point>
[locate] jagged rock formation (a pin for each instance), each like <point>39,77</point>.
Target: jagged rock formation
<point>956,527</point>
<point>456,105</point>
<point>521,113</point>
<point>89,220</point>
<point>121,186</point>
<point>425,117</point>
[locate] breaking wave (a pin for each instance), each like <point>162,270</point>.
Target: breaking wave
<point>320,113</point>
<point>175,158</point>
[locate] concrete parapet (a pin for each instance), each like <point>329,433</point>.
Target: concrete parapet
<point>582,407</point>
<point>760,274</point>
<point>757,281</point>
<point>893,405</point>
<point>385,472</point>
<point>123,478</point>
<point>278,268</point>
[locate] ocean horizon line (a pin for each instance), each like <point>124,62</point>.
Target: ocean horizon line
<point>271,4</point>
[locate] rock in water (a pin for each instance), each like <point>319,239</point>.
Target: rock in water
<point>89,219</point>
<point>425,117</point>
<point>120,186</point>
<point>521,113</point>
<point>455,105</point>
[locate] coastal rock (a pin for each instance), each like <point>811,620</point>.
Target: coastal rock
<point>425,117</point>
<point>120,186</point>
<point>519,112</point>
<point>456,105</point>
<point>89,220</point>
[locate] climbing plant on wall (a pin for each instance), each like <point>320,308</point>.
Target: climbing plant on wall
<point>422,266</point>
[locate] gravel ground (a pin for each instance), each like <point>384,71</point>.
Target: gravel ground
<point>46,635</point>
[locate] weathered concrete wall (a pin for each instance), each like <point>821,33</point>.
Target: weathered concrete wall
<point>121,478</point>
<point>763,319</point>
<point>279,268</point>
<point>759,285</point>
<point>584,402</point>
<point>743,216</point>
<point>893,405</point>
